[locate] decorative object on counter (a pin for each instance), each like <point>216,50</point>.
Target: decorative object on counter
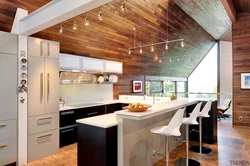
<point>113,78</point>
<point>23,60</point>
<point>61,102</point>
<point>173,97</point>
<point>100,79</point>
<point>106,78</point>
<point>23,75</point>
<point>137,86</point>
<point>137,107</point>
<point>23,67</point>
<point>245,81</point>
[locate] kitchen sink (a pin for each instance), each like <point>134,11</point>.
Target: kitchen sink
<point>83,104</point>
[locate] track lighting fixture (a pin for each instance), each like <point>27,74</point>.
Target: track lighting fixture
<point>61,29</point>
<point>140,49</point>
<point>86,20</point>
<point>100,15</point>
<point>182,43</point>
<point>152,48</point>
<point>178,59</point>
<point>129,51</point>
<point>74,25</point>
<point>160,60</point>
<point>189,58</point>
<point>123,7</point>
<point>170,60</point>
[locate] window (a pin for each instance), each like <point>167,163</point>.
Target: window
<point>169,87</point>
<point>181,89</point>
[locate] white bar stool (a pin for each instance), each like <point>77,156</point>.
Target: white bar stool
<point>172,129</point>
<point>202,114</point>
<point>191,120</point>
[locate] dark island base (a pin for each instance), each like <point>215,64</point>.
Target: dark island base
<point>204,150</point>
<point>184,162</point>
<point>96,146</point>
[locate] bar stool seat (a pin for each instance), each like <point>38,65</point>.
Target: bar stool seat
<point>191,120</point>
<point>202,114</point>
<point>172,129</point>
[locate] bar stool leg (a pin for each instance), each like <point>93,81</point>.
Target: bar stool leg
<point>200,149</point>
<point>186,161</point>
<point>167,152</point>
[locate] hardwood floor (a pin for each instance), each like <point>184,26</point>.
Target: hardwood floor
<point>233,146</point>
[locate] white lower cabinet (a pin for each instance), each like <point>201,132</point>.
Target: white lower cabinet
<point>8,151</point>
<point>43,144</point>
<point>38,124</point>
<point>8,129</point>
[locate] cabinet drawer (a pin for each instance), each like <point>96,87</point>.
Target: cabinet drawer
<point>8,129</point>
<point>8,151</point>
<point>90,111</point>
<point>38,124</point>
<point>42,145</point>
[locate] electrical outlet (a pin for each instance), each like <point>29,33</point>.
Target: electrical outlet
<point>240,118</point>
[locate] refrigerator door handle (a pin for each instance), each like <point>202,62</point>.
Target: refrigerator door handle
<point>48,87</point>
<point>48,49</point>
<point>41,48</point>
<point>41,88</point>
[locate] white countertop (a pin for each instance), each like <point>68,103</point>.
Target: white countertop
<point>104,121</point>
<point>157,109</point>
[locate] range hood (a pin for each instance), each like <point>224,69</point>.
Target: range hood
<point>76,78</point>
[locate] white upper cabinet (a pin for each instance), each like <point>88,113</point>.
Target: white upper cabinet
<point>113,67</point>
<point>43,48</point>
<point>91,64</point>
<point>8,44</point>
<point>70,62</point>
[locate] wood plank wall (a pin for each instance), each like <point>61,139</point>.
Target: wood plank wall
<point>241,64</point>
<point>124,85</point>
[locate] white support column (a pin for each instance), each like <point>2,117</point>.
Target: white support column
<point>22,107</point>
<point>20,13</point>
<point>56,12</point>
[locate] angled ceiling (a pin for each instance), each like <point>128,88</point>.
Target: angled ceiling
<point>211,15</point>
<point>111,37</point>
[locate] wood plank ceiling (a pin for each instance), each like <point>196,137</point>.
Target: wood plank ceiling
<point>111,37</point>
<point>211,15</point>
<point>242,6</point>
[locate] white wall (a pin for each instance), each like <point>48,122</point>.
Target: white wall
<point>226,72</point>
<point>79,93</point>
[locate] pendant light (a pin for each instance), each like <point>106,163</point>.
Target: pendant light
<point>86,20</point>
<point>152,48</point>
<point>61,29</point>
<point>140,49</point>
<point>129,51</point>
<point>166,46</point>
<point>182,43</point>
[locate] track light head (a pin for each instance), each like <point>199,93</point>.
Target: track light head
<point>123,8</point>
<point>166,46</point>
<point>86,21</point>
<point>140,49</point>
<point>61,29</point>
<point>129,51</point>
<point>100,15</point>
<point>75,25</point>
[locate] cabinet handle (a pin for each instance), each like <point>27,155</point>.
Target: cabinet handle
<point>92,113</point>
<point>48,87</point>
<point>3,125</point>
<point>48,118</point>
<point>64,131</point>
<point>48,49</point>
<point>41,48</point>
<point>2,146</point>
<point>44,137</point>
<point>41,88</point>
<point>67,113</point>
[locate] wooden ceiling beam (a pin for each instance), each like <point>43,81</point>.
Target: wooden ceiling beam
<point>229,7</point>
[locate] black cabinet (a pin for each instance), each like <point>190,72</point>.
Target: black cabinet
<point>96,146</point>
<point>111,108</point>
<point>90,111</point>
<point>68,135</point>
<point>209,125</point>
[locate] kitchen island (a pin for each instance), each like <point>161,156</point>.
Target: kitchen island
<point>125,136</point>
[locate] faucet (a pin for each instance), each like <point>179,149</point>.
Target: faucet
<point>62,102</point>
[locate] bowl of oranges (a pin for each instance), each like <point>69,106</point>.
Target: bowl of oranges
<point>137,107</point>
